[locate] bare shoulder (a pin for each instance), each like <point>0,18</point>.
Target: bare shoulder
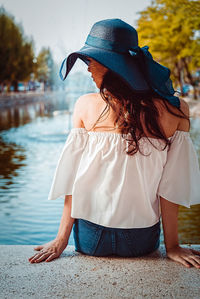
<point>79,111</point>
<point>172,122</point>
<point>184,107</point>
<point>162,107</point>
<point>89,96</point>
<point>86,100</point>
<point>82,107</point>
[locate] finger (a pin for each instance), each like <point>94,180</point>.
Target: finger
<point>35,260</point>
<point>41,258</point>
<point>31,257</point>
<point>193,261</point>
<point>35,257</point>
<point>51,257</point>
<point>39,253</point>
<point>38,247</point>
<point>195,251</point>
<point>196,258</point>
<point>182,261</point>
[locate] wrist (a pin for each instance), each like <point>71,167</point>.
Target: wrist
<point>62,239</point>
<point>172,246</point>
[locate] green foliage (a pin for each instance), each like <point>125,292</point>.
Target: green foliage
<point>45,67</point>
<point>16,51</point>
<point>171,29</point>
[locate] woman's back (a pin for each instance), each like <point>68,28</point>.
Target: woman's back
<point>114,197</point>
<point>106,183</point>
<point>91,106</point>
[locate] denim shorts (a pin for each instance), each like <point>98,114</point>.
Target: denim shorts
<point>96,240</point>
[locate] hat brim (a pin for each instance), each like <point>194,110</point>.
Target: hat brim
<point>122,64</point>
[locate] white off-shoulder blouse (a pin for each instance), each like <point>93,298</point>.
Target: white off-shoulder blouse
<point>113,189</point>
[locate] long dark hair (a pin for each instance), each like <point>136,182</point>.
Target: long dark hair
<point>128,106</point>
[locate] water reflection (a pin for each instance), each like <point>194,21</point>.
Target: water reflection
<point>12,158</point>
<point>195,135</point>
<point>189,224</point>
<point>189,218</point>
<point>18,115</point>
<point>31,139</point>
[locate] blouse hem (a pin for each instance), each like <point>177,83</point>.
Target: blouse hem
<point>115,226</point>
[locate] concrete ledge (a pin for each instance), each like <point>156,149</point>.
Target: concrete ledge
<point>74,275</point>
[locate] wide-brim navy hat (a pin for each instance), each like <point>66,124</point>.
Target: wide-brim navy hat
<point>114,44</point>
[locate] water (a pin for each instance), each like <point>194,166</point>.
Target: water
<point>30,144</point>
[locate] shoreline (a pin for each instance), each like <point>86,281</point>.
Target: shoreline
<point>11,99</point>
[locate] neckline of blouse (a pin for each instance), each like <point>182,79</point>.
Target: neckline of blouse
<point>104,133</point>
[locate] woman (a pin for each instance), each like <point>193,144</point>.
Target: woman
<point>129,158</point>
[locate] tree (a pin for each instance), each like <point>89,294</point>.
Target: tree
<point>45,67</point>
<point>16,51</point>
<point>171,29</point>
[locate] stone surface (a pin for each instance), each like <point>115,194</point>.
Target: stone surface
<point>74,275</point>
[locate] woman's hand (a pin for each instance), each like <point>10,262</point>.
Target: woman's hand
<point>185,256</point>
<point>48,251</point>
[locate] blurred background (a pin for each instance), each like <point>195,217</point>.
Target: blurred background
<point>36,106</point>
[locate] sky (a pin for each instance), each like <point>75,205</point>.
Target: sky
<point>63,25</point>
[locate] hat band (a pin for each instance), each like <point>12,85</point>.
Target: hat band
<point>105,44</point>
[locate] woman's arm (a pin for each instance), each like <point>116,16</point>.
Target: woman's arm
<point>53,249</point>
<point>169,211</point>
<point>185,256</point>
<point>66,222</point>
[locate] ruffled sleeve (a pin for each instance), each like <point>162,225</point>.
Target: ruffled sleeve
<point>180,181</point>
<point>68,163</point>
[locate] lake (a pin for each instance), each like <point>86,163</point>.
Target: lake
<point>31,138</point>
